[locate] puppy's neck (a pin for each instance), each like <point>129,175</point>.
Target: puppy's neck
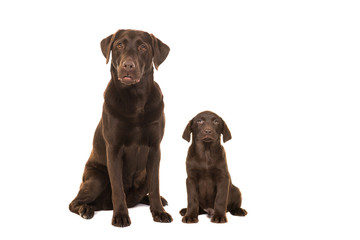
<point>207,149</point>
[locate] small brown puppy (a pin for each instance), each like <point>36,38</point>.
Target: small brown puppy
<point>123,167</point>
<point>208,184</point>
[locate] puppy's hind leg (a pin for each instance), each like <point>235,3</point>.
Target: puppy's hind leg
<point>234,202</point>
<point>238,212</point>
<point>183,211</point>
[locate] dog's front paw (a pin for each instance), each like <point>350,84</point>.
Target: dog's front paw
<point>219,219</point>
<point>163,217</point>
<point>121,220</point>
<point>190,219</point>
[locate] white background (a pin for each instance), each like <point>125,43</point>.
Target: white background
<point>284,75</point>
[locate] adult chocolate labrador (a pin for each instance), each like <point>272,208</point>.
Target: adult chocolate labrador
<point>123,168</point>
<point>208,182</point>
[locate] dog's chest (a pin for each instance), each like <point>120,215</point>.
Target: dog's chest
<point>120,133</point>
<point>141,135</point>
<point>133,135</point>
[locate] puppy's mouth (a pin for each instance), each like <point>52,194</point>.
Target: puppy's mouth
<point>207,138</point>
<point>129,80</point>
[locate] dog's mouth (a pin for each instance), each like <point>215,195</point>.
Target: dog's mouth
<point>129,80</point>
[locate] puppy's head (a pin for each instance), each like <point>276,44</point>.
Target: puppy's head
<point>133,53</point>
<point>207,127</point>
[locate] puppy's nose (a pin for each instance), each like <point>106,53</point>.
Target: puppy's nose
<point>208,131</point>
<point>128,65</point>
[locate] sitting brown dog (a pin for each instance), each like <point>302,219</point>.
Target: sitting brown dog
<point>123,167</point>
<point>208,184</point>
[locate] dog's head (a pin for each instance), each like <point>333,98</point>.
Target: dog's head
<point>207,127</point>
<point>133,54</point>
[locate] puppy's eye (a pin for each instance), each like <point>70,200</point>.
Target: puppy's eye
<point>142,47</point>
<point>120,45</point>
<point>216,122</point>
<point>200,121</point>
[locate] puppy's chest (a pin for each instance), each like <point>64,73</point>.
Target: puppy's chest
<point>205,166</point>
<point>207,160</point>
<point>206,173</point>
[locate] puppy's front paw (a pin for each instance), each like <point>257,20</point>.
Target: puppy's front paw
<point>121,220</point>
<point>219,219</point>
<point>163,217</point>
<point>190,219</point>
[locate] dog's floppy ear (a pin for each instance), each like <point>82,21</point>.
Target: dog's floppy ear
<point>187,131</point>
<point>106,45</point>
<point>226,132</point>
<point>160,49</point>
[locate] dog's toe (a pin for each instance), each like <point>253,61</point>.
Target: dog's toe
<point>163,217</point>
<point>86,211</point>
<point>121,220</point>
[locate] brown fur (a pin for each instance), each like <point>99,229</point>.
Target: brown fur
<point>123,168</point>
<point>208,182</point>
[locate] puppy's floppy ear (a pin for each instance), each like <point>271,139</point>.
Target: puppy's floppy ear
<point>187,131</point>
<point>106,45</point>
<point>160,49</point>
<point>226,132</point>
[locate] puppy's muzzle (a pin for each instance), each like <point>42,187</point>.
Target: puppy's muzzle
<point>207,135</point>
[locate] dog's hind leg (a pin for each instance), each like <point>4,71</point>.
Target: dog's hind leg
<point>94,183</point>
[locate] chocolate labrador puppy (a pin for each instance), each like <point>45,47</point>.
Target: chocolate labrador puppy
<point>123,168</point>
<point>208,182</point>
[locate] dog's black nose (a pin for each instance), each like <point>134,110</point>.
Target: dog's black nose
<point>207,131</point>
<point>128,65</point>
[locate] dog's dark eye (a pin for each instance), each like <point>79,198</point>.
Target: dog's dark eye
<point>120,45</point>
<point>200,121</point>
<point>142,47</point>
<point>216,122</point>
